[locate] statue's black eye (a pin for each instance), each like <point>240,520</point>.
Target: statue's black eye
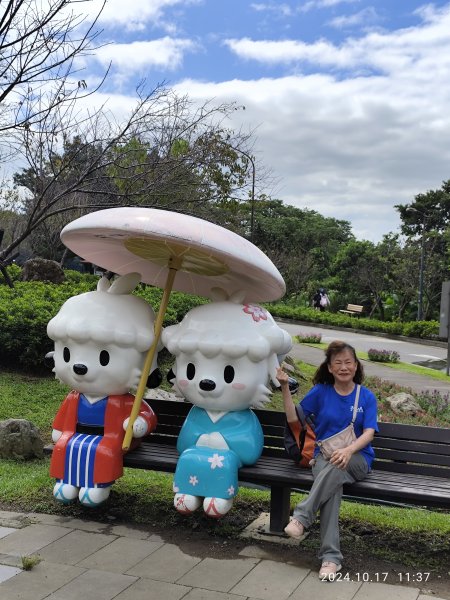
<point>228,374</point>
<point>66,354</point>
<point>190,371</point>
<point>104,358</point>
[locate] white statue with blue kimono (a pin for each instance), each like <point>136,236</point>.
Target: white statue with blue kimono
<point>226,353</point>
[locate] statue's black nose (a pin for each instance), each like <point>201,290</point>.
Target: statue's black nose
<point>80,369</point>
<point>207,385</point>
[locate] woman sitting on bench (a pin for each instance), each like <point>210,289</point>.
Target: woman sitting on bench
<point>331,401</point>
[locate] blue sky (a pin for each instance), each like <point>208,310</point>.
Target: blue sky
<point>349,98</point>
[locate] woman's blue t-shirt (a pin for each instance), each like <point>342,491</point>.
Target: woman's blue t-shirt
<point>333,412</point>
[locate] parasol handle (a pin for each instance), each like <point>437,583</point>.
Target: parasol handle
<point>149,358</point>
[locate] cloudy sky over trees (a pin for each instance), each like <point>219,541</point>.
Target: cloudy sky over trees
<point>348,98</point>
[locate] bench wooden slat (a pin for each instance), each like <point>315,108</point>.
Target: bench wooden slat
<point>421,458</point>
<point>411,446</point>
<point>414,432</point>
<point>413,469</point>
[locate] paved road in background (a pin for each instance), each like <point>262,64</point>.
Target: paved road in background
<point>410,352</point>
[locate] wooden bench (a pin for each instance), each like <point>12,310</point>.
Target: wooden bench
<point>412,464</point>
<point>353,309</point>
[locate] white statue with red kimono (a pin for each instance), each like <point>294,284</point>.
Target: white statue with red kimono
<point>101,340</point>
<point>226,353</point>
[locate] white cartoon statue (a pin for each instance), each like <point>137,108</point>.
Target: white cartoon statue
<point>101,339</point>
<point>225,353</point>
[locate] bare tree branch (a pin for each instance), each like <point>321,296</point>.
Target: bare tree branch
<point>168,153</point>
<point>39,42</point>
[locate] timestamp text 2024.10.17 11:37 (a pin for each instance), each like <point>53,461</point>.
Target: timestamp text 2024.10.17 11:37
<point>365,577</point>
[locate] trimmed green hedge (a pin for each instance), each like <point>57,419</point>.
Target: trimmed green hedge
<point>26,309</point>
<point>417,329</point>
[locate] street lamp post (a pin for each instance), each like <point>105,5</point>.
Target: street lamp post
<point>422,261</point>
<point>421,272</point>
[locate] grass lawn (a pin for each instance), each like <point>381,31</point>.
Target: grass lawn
<point>408,535</point>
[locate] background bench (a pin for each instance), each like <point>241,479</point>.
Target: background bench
<point>353,309</point>
<point>412,464</point>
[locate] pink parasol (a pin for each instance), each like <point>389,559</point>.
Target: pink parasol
<point>172,251</point>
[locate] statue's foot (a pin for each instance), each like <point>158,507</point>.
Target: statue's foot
<point>186,504</point>
<point>95,496</point>
<point>217,507</point>
<point>64,492</point>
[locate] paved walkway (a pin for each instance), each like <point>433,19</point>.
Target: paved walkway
<point>98,561</point>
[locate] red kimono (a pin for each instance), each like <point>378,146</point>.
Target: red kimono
<point>108,463</point>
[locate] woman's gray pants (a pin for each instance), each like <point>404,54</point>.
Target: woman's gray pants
<point>326,495</point>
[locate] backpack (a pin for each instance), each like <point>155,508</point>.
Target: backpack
<point>301,450</point>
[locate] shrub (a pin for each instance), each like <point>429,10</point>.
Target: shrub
<point>26,309</point>
<point>383,355</point>
<point>14,272</point>
<point>309,338</point>
<point>420,329</point>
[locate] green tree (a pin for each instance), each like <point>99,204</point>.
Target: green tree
<point>426,223</point>
<point>301,242</point>
<point>361,269</point>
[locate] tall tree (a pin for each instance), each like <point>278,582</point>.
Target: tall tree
<point>430,211</point>
<point>362,270</point>
<point>426,223</point>
<point>301,242</point>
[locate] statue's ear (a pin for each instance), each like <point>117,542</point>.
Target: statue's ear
<point>125,284</point>
<point>103,284</point>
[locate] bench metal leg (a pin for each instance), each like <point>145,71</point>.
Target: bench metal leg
<point>279,508</point>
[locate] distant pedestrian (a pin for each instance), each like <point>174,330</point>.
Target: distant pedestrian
<point>321,300</point>
<point>316,300</point>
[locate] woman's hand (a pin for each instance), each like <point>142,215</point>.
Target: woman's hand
<point>341,458</point>
<point>282,377</point>
<point>289,407</point>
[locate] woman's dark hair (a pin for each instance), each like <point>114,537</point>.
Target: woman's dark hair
<point>323,375</point>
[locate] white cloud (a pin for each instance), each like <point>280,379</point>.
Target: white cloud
<point>351,147</point>
<point>328,3</point>
<point>365,16</point>
<point>134,15</point>
<point>284,9</point>
<point>316,4</point>
<point>166,53</point>
<point>388,52</point>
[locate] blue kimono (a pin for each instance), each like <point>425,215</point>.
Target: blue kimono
<point>213,472</point>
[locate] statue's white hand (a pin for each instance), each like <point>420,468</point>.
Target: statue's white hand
<point>56,434</point>
<point>140,426</point>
